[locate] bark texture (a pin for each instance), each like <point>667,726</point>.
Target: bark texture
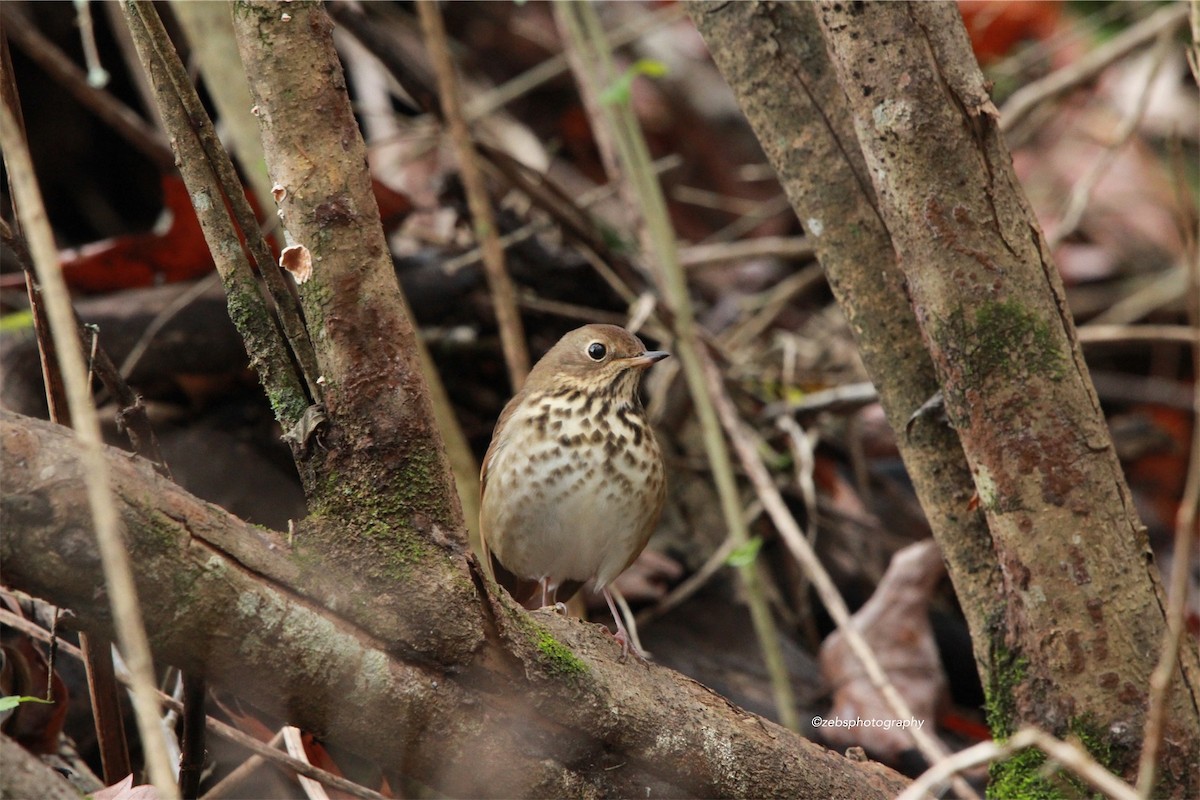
<point>773,57</point>
<point>22,774</point>
<point>1083,613</point>
<point>384,515</point>
<point>541,708</point>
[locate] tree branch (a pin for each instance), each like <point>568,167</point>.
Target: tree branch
<point>530,713</point>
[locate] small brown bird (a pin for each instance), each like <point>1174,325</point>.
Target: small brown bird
<point>573,482</point>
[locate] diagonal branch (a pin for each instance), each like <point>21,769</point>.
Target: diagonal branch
<point>524,716</point>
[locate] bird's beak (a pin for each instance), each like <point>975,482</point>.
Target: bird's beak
<point>647,358</point>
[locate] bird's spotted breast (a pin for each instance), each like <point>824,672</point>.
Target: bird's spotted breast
<point>573,481</point>
<point>592,479</point>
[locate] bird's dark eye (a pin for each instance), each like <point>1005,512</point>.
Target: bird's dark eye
<point>597,351</point>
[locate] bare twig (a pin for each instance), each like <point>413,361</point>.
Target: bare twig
<point>486,102</point>
<point>1070,756</point>
<point>1105,334</point>
<point>96,653</point>
<point>266,751</point>
<point>569,310</point>
<point>803,552</point>
<point>1081,193</point>
<point>575,49</point>
<point>1163,288</point>
<point>796,248</point>
<point>1024,100</point>
<point>531,229</point>
<point>694,583</point>
<point>127,616</point>
<point>294,742</point>
<point>779,297</point>
<point>841,398</point>
<point>142,136</point>
<point>504,298</point>
<point>227,786</point>
<point>751,220</point>
<point>1193,55</point>
<point>185,299</point>
<point>802,446</point>
<point>1186,526</point>
<point>97,75</point>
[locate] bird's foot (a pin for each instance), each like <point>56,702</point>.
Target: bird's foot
<point>628,647</point>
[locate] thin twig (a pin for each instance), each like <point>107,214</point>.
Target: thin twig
<point>1070,756</point>
<point>1163,288</point>
<point>569,310</point>
<point>56,393</point>
<point>142,136</point>
<point>744,224</point>
<point>694,583</point>
<point>1186,519</point>
<point>1057,83</point>
<point>531,229</point>
<point>587,37</point>
<point>504,297</point>
<point>801,445</point>
<point>185,298</point>
<point>1081,193</point>
<point>293,740</point>
<point>1105,334</point>
<point>200,127</point>
<point>575,49</point>
<point>127,617</point>
<point>97,75</point>
<point>847,397</point>
<point>290,392</point>
<point>221,729</point>
<point>797,248</point>
<point>780,297</point>
<point>1193,53</point>
<point>803,552</point>
<point>229,784</point>
<point>96,652</point>
<point>485,103</point>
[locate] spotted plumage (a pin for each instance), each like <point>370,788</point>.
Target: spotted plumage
<point>573,482</point>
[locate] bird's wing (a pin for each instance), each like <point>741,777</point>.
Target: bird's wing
<point>486,559</point>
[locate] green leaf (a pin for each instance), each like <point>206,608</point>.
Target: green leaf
<point>17,321</point>
<point>9,702</point>
<point>745,553</point>
<point>620,90</point>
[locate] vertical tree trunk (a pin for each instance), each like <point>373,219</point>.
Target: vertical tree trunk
<point>378,466</point>
<point>1072,643</point>
<point>790,95</point>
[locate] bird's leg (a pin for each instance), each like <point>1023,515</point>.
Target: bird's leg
<point>548,597</point>
<point>627,644</point>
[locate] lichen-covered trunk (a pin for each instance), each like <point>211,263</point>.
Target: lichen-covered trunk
<point>1082,609</point>
<point>385,524</point>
